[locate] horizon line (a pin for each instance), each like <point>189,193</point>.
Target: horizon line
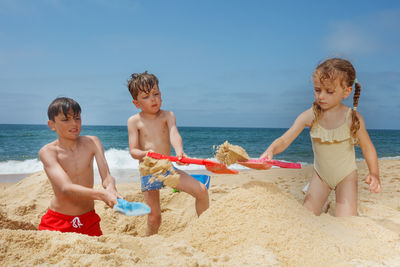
<point>185,126</point>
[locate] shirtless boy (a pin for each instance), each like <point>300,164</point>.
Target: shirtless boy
<point>155,130</point>
<point>68,163</point>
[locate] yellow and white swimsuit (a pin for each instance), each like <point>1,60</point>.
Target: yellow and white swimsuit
<point>334,155</point>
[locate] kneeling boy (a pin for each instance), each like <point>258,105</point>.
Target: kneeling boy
<point>68,163</point>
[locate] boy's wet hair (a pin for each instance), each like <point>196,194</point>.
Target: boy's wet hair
<point>141,82</point>
<point>64,105</point>
<point>342,70</point>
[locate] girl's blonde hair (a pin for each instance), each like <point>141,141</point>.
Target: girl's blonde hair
<point>338,68</point>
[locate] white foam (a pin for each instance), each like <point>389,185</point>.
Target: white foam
<point>120,159</point>
<point>19,167</point>
<point>117,160</point>
<point>390,158</point>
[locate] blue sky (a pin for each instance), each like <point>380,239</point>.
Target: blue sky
<point>220,63</point>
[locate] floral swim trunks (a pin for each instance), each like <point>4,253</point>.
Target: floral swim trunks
<point>150,182</point>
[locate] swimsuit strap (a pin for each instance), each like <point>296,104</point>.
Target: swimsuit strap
<point>348,115</point>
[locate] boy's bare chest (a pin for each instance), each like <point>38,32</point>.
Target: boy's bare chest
<point>76,164</point>
<point>154,130</point>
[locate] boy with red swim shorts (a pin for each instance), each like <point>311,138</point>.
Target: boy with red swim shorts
<point>68,163</point>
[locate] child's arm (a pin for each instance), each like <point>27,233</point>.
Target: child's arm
<point>370,156</point>
<point>133,134</point>
<point>108,181</point>
<point>175,137</point>
<point>62,184</point>
<point>281,143</point>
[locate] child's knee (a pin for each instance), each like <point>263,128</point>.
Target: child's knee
<point>202,192</point>
<point>311,204</point>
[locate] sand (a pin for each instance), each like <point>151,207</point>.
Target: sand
<point>228,154</point>
<point>255,219</point>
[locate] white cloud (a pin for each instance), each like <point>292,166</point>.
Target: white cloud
<point>348,38</point>
<point>365,34</point>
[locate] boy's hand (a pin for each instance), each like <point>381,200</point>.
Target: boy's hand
<point>374,183</point>
<point>147,152</point>
<point>113,191</point>
<point>180,156</point>
<point>109,198</point>
<point>111,195</point>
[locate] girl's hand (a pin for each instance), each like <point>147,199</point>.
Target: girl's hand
<point>267,155</point>
<point>374,183</point>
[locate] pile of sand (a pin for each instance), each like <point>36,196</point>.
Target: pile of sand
<point>255,219</point>
<point>228,154</point>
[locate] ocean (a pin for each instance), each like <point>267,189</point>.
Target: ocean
<point>19,146</point>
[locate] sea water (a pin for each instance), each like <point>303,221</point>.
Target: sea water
<point>20,144</point>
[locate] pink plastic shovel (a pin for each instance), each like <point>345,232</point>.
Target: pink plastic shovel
<point>264,164</point>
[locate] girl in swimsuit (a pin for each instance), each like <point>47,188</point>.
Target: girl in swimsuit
<point>334,130</point>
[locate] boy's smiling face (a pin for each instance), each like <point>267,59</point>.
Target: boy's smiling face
<point>149,102</point>
<point>68,127</point>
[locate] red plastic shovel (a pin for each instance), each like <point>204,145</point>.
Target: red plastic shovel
<point>264,164</point>
<point>210,165</point>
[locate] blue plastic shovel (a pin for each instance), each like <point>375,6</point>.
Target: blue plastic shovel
<point>131,208</point>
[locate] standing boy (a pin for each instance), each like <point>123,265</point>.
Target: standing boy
<point>68,163</point>
<point>155,130</point>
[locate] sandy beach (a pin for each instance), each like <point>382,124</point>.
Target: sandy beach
<point>255,218</point>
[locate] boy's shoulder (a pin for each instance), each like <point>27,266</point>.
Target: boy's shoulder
<point>48,148</point>
<point>134,120</point>
<point>167,113</point>
<point>89,139</point>
<point>134,117</point>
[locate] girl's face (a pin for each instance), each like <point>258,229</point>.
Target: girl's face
<point>329,94</point>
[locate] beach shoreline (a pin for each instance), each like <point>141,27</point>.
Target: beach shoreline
<point>120,175</point>
<point>255,218</point>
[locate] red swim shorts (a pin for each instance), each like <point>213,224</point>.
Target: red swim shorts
<point>88,223</point>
